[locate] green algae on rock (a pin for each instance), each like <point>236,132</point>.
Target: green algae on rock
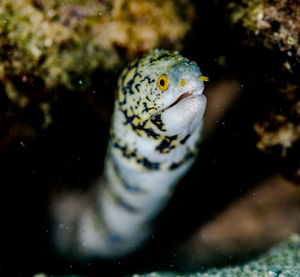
<point>60,40</point>
<point>49,47</point>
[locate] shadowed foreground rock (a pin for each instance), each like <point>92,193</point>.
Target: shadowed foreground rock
<point>282,260</point>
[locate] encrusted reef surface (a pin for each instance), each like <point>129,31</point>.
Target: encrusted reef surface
<point>52,46</point>
<point>55,40</point>
<point>279,129</point>
<point>275,25</point>
<point>280,261</point>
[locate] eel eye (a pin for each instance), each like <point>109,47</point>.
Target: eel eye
<point>182,82</point>
<point>163,82</point>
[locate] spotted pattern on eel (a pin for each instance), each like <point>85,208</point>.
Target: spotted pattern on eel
<point>154,139</point>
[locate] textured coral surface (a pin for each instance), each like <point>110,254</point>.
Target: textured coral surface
<point>49,47</point>
<point>276,23</point>
<point>54,40</point>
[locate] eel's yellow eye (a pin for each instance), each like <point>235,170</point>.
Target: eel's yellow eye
<point>163,82</point>
<point>182,82</point>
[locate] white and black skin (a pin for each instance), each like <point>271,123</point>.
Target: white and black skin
<point>154,139</point>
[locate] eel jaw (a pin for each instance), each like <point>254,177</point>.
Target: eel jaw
<point>184,115</point>
<point>180,98</point>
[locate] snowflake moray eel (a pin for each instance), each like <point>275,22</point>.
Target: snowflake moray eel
<point>154,139</point>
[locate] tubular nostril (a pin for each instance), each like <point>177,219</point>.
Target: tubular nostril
<point>203,78</point>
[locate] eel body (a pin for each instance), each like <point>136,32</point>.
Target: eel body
<point>154,138</point>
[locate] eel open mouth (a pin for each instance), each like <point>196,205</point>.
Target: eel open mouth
<point>180,98</point>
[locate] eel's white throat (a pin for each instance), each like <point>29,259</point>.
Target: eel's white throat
<point>184,114</point>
